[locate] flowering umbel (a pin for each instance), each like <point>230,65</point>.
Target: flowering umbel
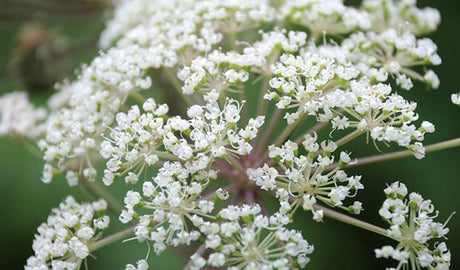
<point>268,95</point>
<point>65,240</point>
<point>412,224</point>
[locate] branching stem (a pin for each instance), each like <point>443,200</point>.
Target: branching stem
<point>101,193</point>
<point>287,132</point>
<point>268,132</point>
<point>318,127</point>
<point>352,221</point>
<point>177,86</point>
<point>111,239</point>
<point>262,105</point>
<point>199,251</point>
<point>406,153</point>
<point>346,139</point>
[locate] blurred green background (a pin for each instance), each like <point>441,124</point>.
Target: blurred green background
<point>25,201</point>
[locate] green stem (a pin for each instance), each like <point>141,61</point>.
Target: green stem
<point>177,86</point>
<point>99,192</point>
<point>29,147</point>
<point>166,156</point>
<point>406,153</point>
<point>352,221</point>
<point>316,128</point>
<point>287,132</point>
<point>267,134</point>
<point>262,104</point>
<point>347,219</point>
<point>138,97</point>
<point>348,138</point>
<point>111,239</point>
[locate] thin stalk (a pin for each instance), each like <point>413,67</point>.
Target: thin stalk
<point>406,153</point>
<point>346,219</point>
<point>268,132</point>
<point>287,132</point>
<point>138,97</point>
<point>200,252</point>
<point>352,221</point>
<point>29,147</point>
<point>244,109</point>
<point>177,86</point>
<point>250,198</point>
<point>319,126</point>
<point>228,188</point>
<point>283,137</point>
<point>111,239</point>
<point>346,139</point>
<point>262,104</point>
<point>237,165</point>
<point>262,205</point>
<point>99,192</point>
<point>167,156</point>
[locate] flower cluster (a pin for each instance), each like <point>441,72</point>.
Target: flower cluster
<point>246,239</point>
<point>85,108</point>
<point>134,141</point>
<point>299,82</point>
<point>212,132</point>
<point>394,53</point>
<point>239,66</point>
<point>167,203</point>
<point>64,241</point>
<point>320,86</point>
<point>331,17</point>
<point>413,226</point>
<point>18,117</point>
<point>93,100</point>
<point>405,15</point>
<point>183,29</point>
<point>307,178</point>
<point>140,265</point>
<point>227,71</point>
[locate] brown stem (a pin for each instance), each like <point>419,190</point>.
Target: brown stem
<point>200,252</point>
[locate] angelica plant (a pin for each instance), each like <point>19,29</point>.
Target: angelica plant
<point>269,95</point>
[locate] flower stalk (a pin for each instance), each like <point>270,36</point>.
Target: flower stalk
<point>111,239</point>
<point>101,193</point>
<point>352,221</point>
<point>405,153</point>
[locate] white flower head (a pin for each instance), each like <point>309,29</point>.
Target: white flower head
<point>412,224</point>
<point>65,239</point>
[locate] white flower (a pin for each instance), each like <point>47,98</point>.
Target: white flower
<point>305,177</point>
<point>65,238</point>
<point>403,14</point>
<point>19,117</point>
<point>140,265</point>
<point>412,224</point>
<point>245,236</point>
<point>406,52</point>
<point>233,81</point>
<point>455,98</point>
<point>332,17</point>
<point>216,259</point>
